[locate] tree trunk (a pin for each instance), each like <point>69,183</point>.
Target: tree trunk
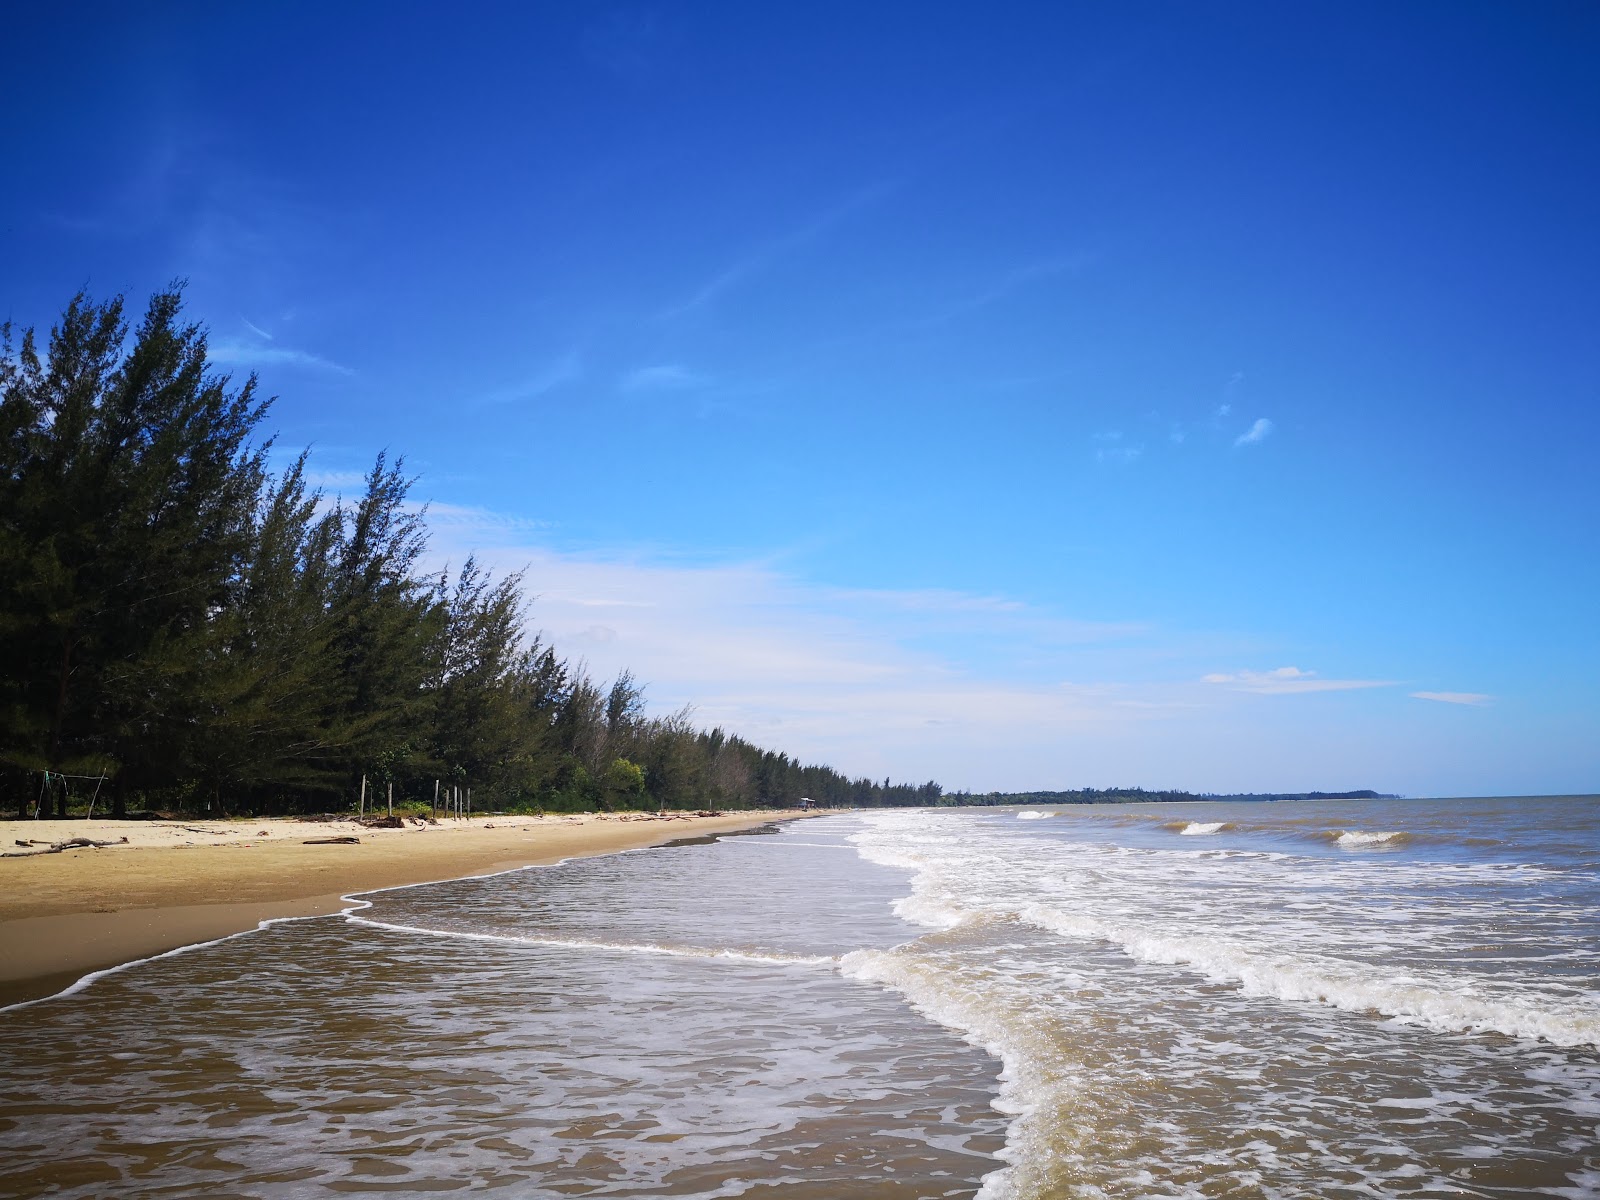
<point>119,799</point>
<point>59,719</point>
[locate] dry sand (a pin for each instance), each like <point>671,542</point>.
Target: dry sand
<point>177,883</point>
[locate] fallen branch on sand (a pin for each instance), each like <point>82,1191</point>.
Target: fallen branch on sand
<point>77,843</point>
<point>332,841</point>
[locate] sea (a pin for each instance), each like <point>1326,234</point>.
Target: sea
<point>1385,998</point>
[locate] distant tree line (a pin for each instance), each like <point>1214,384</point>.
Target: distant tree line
<point>200,633</point>
<point>1141,795</point>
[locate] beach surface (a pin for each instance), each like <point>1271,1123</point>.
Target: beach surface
<point>175,883</point>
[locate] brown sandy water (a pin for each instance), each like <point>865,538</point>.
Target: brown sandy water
<point>660,1023</point>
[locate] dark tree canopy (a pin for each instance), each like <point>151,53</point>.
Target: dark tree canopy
<point>202,633</point>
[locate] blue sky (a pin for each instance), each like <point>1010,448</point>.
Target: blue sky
<point>1026,396</point>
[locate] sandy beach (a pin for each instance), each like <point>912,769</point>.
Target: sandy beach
<point>174,883</point>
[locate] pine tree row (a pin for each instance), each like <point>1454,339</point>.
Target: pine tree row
<point>200,633</point>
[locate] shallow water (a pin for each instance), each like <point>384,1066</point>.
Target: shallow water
<point>1287,999</point>
<point>668,1022</point>
<point>1253,1000</point>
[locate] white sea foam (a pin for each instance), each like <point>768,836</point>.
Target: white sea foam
<point>979,1017</point>
<point>1201,828</point>
<point>1271,955</point>
<point>1444,1005</point>
<point>512,939</point>
<point>774,843</point>
<point>1358,837</point>
<point>1033,816</point>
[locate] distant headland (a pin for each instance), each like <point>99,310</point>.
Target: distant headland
<point>1144,796</point>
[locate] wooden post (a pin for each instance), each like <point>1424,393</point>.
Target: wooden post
<point>469,804</point>
<point>435,809</point>
<point>361,809</point>
<point>96,795</point>
<point>391,797</point>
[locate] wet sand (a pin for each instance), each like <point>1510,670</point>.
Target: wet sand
<point>177,883</point>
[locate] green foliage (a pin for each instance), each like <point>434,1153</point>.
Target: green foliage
<point>215,637</point>
<point>622,786</point>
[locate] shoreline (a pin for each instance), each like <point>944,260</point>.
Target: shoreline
<point>174,884</point>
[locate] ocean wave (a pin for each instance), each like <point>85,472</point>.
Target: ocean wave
<point>1355,839</point>
<point>1440,1005</point>
<point>1292,829</point>
<point>1429,1000</point>
<point>1033,816</point>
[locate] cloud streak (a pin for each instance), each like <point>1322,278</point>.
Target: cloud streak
<point>764,256</point>
<point>1474,699</point>
<point>1283,681</point>
<point>558,374</point>
<point>665,377</point>
<point>1013,281</point>
<point>1255,434</point>
<point>231,352</point>
<point>1111,448</point>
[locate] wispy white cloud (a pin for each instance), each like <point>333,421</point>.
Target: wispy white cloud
<point>1000,288</point>
<point>815,666</point>
<point>232,352</point>
<point>975,690</point>
<point>256,329</point>
<point>1015,280</point>
<point>1288,680</point>
<point>484,522</point>
<point>1256,433</point>
<point>666,377</point>
<point>764,256</point>
<point>1476,699</point>
<point>336,481</point>
<point>553,375</point>
<point>1110,447</point>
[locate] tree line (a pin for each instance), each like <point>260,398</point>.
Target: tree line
<point>183,628</point>
<point>1138,795</point>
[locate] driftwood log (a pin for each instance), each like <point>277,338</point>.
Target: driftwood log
<point>332,841</point>
<point>77,843</point>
